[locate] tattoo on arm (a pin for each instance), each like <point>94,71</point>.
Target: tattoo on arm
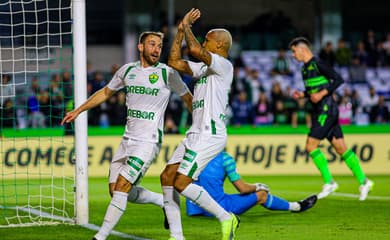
<point>175,53</point>
<point>190,38</point>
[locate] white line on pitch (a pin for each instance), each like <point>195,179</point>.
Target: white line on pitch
<point>340,194</point>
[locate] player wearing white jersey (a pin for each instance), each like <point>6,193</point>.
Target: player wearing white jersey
<point>207,136</point>
<point>148,85</point>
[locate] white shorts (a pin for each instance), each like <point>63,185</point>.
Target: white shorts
<point>195,152</point>
<point>132,160</point>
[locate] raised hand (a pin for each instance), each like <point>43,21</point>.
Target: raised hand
<point>191,17</point>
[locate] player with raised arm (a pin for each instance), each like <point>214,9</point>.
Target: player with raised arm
<point>320,82</point>
<point>207,136</point>
<point>223,166</point>
<point>148,84</point>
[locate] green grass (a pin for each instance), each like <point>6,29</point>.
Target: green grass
<point>340,216</point>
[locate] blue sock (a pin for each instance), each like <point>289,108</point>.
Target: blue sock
<point>275,203</point>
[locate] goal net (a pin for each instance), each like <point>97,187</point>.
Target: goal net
<point>36,89</point>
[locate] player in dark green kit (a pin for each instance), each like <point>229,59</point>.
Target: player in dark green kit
<point>320,82</point>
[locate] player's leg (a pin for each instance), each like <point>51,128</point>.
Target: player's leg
<point>321,128</point>
<point>353,163</point>
<point>171,197</point>
<point>142,195</point>
<point>199,151</point>
<point>319,159</point>
<point>116,208</point>
<point>131,172</point>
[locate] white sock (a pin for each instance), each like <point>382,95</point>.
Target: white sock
<point>203,199</point>
<point>114,212</point>
<point>294,206</point>
<point>142,195</point>
<point>172,210</point>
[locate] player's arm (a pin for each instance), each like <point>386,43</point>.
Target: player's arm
<point>187,99</point>
<point>174,59</point>
<point>335,81</point>
<point>194,47</point>
<point>244,187</point>
<point>96,99</point>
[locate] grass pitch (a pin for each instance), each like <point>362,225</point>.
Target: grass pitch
<point>339,216</point>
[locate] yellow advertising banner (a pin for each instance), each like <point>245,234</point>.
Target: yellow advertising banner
<point>255,155</point>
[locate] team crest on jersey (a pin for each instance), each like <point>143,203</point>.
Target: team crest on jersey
<point>153,78</point>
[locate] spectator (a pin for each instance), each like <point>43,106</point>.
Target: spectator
<point>327,54</point>
<point>253,86</point>
<point>7,114</point>
<point>281,65</point>
<point>280,113</point>
<point>343,54</point>
<point>370,101</point>
<point>361,53</point>
<point>263,111</point>
<point>345,111</point>
<point>7,90</point>
<point>386,46</point>
<point>355,101</point>
<point>357,71</point>
<point>242,110</point>
<point>370,45</point>
<point>301,114</point>
<point>116,109</point>
<point>380,112</point>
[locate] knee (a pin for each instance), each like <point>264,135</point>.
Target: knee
<point>261,197</point>
<point>181,182</point>
<point>122,184</point>
<point>167,177</point>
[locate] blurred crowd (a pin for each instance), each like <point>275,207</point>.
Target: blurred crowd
<point>258,97</point>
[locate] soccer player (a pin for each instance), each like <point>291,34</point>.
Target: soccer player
<point>320,82</point>
<point>212,179</point>
<point>207,136</point>
<point>148,84</point>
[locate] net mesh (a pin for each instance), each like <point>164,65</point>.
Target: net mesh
<point>37,166</point>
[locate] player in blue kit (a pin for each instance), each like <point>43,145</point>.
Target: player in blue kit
<point>212,179</point>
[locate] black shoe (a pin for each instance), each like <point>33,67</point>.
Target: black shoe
<point>166,224</point>
<point>307,203</point>
<point>94,238</point>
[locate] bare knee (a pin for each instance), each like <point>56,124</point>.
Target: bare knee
<point>181,182</point>
<point>122,184</point>
<point>167,177</point>
<point>261,196</point>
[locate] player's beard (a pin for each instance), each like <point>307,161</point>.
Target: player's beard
<point>150,59</point>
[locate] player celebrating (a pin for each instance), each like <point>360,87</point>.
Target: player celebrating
<point>207,136</point>
<point>148,85</point>
<point>320,82</point>
<point>212,179</point>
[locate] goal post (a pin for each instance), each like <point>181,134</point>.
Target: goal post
<point>81,124</point>
<point>43,168</point>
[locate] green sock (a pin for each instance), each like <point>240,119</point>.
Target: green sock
<point>352,162</point>
<point>322,164</point>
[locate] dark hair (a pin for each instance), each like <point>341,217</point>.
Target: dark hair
<point>144,35</point>
<point>299,40</point>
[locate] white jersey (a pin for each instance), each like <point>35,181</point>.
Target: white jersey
<point>147,95</point>
<point>210,101</point>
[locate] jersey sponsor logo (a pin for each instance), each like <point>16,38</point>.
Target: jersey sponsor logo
<point>202,80</point>
<point>140,114</point>
<point>153,78</point>
<point>142,90</point>
<point>132,76</point>
<point>197,104</point>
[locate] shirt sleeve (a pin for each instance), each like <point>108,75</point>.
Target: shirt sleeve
<point>176,84</point>
<point>230,168</point>
<point>117,82</point>
<point>198,69</point>
<point>335,80</point>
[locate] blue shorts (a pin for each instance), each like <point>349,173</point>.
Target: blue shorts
<point>235,203</point>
